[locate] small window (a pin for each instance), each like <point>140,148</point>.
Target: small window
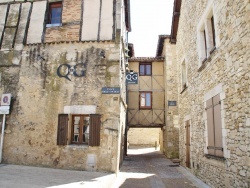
<point>213,31</point>
<point>183,75</point>
<point>145,69</point>
<point>85,129</point>
<point>145,100</point>
<point>55,13</point>
<point>80,129</point>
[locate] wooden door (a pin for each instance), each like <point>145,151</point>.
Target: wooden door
<point>187,144</point>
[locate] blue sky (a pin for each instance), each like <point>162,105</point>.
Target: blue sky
<point>149,18</point>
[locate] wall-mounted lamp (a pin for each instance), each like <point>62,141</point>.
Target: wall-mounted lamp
<point>102,54</point>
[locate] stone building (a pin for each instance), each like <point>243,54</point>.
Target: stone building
<point>169,140</point>
<point>213,65</point>
<point>63,63</point>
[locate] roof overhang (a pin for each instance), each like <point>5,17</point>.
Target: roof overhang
<point>160,44</point>
<point>175,20</point>
<point>127,15</point>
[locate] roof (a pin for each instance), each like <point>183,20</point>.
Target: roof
<point>146,59</point>
<point>127,15</point>
<point>175,20</point>
<point>160,44</point>
<point>131,52</point>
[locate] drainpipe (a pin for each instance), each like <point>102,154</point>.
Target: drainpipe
<point>2,136</point>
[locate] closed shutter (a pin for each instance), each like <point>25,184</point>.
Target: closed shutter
<point>62,131</point>
<point>94,130</point>
<point>217,126</point>
<point>210,127</point>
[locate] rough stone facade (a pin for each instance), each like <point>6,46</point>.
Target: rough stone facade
<point>225,73</point>
<point>29,71</point>
<point>171,130</point>
<point>145,137</point>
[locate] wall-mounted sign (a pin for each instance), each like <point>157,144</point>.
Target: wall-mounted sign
<point>172,103</point>
<point>78,70</point>
<point>110,90</point>
<point>4,109</point>
<point>132,78</point>
<point>5,100</point>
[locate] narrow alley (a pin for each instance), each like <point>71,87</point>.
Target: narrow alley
<point>149,168</point>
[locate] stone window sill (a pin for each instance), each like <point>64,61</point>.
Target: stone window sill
<point>53,25</point>
<point>183,90</point>
<point>208,156</point>
<point>80,146</point>
<point>207,60</point>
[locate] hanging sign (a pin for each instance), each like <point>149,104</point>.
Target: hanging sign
<point>132,78</point>
<point>110,90</point>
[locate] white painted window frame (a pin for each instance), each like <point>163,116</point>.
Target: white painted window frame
<point>205,24</point>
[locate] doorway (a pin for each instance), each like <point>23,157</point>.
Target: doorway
<point>187,126</point>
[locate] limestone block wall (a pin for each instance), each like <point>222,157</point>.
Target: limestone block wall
<point>143,136</point>
<point>225,72</point>
<point>170,132</point>
<point>31,130</point>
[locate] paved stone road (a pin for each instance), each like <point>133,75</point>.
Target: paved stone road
<point>147,168</point>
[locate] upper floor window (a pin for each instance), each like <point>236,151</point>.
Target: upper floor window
<point>183,75</point>
<point>145,100</point>
<point>145,69</point>
<point>206,34</point>
<point>55,13</point>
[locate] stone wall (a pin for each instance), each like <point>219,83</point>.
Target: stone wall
<point>31,132</point>
<point>30,54</point>
<point>171,130</point>
<point>144,136</point>
<point>225,72</point>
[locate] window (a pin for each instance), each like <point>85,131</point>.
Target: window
<point>55,13</point>
<point>206,36</point>
<point>214,127</point>
<point>80,129</point>
<point>213,31</point>
<point>183,75</point>
<point>145,100</point>
<point>145,69</point>
<point>85,129</point>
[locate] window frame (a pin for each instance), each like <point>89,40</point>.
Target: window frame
<point>151,97</point>
<point>144,64</point>
<point>208,38</point>
<point>52,5</point>
<point>81,127</point>
<point>65,130</point>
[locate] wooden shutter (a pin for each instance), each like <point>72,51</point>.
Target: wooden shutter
<point>217,126</point>
<point>94,130</point>
<point>210,127</point>
<point>62,131</point>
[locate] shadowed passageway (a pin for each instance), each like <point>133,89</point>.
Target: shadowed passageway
<point>149,168</point>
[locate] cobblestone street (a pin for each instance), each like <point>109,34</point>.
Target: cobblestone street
<point>148,168</point>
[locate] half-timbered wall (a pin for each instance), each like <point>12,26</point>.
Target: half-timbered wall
<point>153,117</point>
